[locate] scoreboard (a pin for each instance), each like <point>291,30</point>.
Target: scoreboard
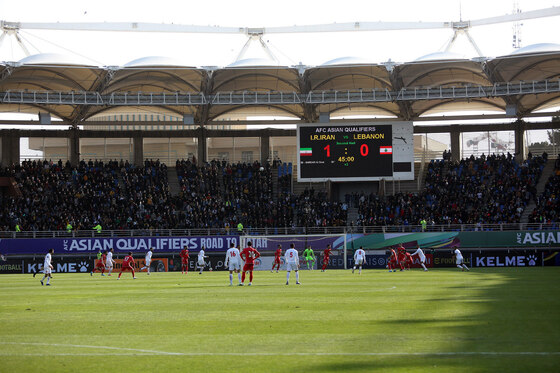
<point>355,152</point>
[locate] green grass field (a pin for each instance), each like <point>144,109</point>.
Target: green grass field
<point>486,320</point>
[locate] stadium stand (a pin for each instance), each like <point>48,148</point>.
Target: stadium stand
<point>120,196</point>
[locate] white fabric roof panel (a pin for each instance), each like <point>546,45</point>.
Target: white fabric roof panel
<point>160,74</point>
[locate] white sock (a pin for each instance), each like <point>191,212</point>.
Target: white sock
<point>48,279</point>
<point>360,270</point>
<point>231,279</point>
<point>239,277</point>
<point>44,277</point>
<point>459,266</point>
<point>297,276</point>
<point>423,266</point>
<point>288,276</point>
<point>467,268</point>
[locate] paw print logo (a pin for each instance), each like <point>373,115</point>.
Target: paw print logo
<point>532,260</point>
<point>83,266</point>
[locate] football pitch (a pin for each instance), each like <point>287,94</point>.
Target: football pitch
<point>486,320</point>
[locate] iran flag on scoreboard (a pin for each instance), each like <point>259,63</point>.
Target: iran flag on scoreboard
<point>385,150</point>
<point>305,152</point>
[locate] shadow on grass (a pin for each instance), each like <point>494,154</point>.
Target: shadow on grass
<point>513,327</point>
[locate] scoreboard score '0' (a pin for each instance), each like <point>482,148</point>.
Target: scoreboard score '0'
<point>352,152</point>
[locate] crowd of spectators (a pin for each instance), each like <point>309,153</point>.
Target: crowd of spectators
<point>484,190</point>
<point>118,195</point>
<point>315,210</point>
<point>547,210</point>
<point>115,195</point>
<point>220,195</point>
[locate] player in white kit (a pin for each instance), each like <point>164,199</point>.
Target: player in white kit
<point>359,259</point>
<point>459,259</point>
<point>292,262</point>
<point>422,257</point>
<point>200,262</point>
<point>109,263</point>
<point>148,260</point>
<point>233,263</point>
<point>47,267</point>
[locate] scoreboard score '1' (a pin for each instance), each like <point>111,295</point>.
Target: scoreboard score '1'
<point>352,152</point>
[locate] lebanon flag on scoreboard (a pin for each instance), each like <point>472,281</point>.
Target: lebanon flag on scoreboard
<point>385,150</point>
<point>304,152</point>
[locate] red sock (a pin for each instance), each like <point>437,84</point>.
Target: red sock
<point>251,276</point>
<point>102,270</point>
<point>243,277</point>
<point>132,272</point>
<point>120,273</point>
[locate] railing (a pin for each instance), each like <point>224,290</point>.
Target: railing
<point>279,97</point>
<point>284,230</point>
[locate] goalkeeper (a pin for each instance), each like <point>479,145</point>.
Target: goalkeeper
<point>309,257</point>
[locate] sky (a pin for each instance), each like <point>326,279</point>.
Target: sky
<point>117,49</point>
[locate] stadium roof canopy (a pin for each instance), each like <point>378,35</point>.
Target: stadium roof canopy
<point>437,84</point>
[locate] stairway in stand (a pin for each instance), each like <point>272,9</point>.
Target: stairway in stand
<point>408,186</point>
<point>173,181</point>
<point>546,173</point>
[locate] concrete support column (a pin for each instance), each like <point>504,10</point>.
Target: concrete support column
<point>138,150</point>
<point>74,140</point>
<point>520,142</point>
<point>10,148</point>
<point>455,145</point>
<point>202,151</point>
<point>265,148</point>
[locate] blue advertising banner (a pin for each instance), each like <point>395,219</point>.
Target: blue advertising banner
<point>119,244</point>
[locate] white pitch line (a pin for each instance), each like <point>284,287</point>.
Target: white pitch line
<point>141,352</point>
<point>86,346</point>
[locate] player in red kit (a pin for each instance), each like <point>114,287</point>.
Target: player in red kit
<point>128,263</point>
<point>277,260</point>
<point>393,261</point>
<point>249,254</point>
<point>408,261</point>
<point>326,255</point>
<point>100,264</point>
<point>184,260</point>
<point>402,256</point>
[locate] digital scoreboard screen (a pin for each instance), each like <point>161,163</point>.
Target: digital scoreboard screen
<point>345,152</point>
